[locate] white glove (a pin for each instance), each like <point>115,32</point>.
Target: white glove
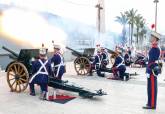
<point>148,75</point>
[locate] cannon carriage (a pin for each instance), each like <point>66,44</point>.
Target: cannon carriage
<point>82,63</point>
<point>19,71</point>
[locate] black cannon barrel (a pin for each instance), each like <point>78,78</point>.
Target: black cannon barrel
<point>76,53</point>
<point>12,52</point>
<point>110,51</point>
<point>12,57</point>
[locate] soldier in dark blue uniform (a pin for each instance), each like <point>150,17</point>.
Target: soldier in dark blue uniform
<point>41,69</point>
<point>129,51</point>
<point>118,67</point>
<point>104,58</point>
<point>57,63</point>
<point>152,71</point>
<point>97,63</point>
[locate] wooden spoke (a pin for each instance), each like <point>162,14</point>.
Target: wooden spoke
<point>23,75</point>
<point>21,71</point>
<point>81,61</point>
<point>18,68</point>
<point>12,79</point>
<point>11,74</point>
<point>21,83</point>
<point>16,86</point>
<point>15,69</point>
<point>13,83</point>
<point>11,69</point>
<point>86,62</point>
<point>23,79</point>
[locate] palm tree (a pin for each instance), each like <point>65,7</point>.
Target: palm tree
<point>138,21</point>
<point>131,17</point>
<point>123,21</point>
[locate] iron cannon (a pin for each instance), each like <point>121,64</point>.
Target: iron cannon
<point>19,71</point>
<point>82,63</point>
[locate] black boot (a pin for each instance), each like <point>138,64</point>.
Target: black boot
<point>148,107</point>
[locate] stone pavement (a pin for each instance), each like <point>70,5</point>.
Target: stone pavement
<point>123,97</point>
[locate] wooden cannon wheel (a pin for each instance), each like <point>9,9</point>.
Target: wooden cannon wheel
<point>112,58</point>
<point>17,77</point>
<point>82,65</point>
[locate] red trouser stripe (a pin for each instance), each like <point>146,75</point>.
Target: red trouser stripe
<point>152,91</point>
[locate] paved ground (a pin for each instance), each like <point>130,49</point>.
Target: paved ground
<point>123,97</point>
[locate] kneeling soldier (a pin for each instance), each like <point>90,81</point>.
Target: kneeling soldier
<point>104,58</point>
<point>118,67</point>
<point>97,63</point>
<point>41,69</point>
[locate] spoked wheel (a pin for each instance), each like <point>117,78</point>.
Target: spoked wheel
<point>82,65</point>
<point>112,59</point>
<point>17,77</point>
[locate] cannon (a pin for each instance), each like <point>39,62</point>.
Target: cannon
<point>19,71</point>
<point>82,63</point>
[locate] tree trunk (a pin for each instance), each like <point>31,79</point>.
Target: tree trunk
<point>131,33</point>
<point>137,37</point>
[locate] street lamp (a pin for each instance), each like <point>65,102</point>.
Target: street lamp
<point>156,2</point>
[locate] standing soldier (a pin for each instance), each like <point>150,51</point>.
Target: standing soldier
<point>41,69</point>
<point>57,63</point>
<point>152,71</point>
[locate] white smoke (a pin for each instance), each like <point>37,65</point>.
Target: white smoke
<point>30,27</point>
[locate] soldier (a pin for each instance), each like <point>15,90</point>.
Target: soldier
<point>41,69</point>
<point>129,51</point>
<point>152,71</point>
<point>57,63</point>
<point>104,57</point>
<point>97,63</point>
<point>118,67</point>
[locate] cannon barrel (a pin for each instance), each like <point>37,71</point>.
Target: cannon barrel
<point>12,57</point>
<point>110,51</point>
<point>74,52</point>
<point>12,52</point>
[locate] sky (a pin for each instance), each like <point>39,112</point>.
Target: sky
<point>85,11</point>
